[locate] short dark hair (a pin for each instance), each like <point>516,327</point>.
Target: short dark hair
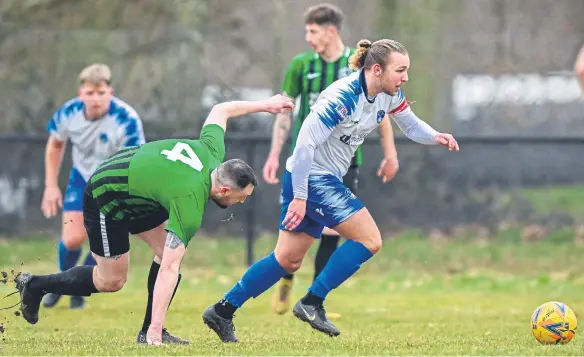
<point>237,174</point>
<point>324,14</point>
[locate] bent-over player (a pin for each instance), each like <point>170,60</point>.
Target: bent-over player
<point>135,191</point>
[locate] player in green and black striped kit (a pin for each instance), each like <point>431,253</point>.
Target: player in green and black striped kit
<point>158,192</point>
<point>308,75</point>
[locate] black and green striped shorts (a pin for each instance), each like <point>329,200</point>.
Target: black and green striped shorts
<point>106,214</point>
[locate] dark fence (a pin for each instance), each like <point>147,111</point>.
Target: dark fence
<point>480,185</point>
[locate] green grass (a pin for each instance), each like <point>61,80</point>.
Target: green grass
<point>459,297</point>
<point>559,199</point>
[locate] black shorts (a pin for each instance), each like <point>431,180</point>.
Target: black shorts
<point>109,237</point>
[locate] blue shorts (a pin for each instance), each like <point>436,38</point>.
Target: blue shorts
<point>329,203</point>
<point>73,200</point>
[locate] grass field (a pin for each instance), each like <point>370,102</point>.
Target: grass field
<point>558,199</point>
<point>415,298</point>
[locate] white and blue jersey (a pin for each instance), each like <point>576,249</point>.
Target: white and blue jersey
<point>93,141</point>
<point>338,123</point>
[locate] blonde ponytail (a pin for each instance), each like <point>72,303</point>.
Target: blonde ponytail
<point>357,60</point>
<point>378,52</point>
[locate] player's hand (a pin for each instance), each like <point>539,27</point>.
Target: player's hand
<point>52,201</point>
<point>388,169</point>
<point>277,104</point>
<point>271,170</point>
<point>295,214</point>
<point>447,140</point>
<point>154,336</point>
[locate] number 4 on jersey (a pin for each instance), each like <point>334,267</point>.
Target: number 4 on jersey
<point>190,159</point>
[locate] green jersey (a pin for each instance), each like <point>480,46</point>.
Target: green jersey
<point>172,175</point>
<point>308,75</point>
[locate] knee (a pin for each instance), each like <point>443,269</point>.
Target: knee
<point>111,284</point>
<point>289,262</point>
<point>373,242</point>
<point>292,265</point>
<point>375,246</point>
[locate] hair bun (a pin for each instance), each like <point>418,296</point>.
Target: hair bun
<point>364,44</point>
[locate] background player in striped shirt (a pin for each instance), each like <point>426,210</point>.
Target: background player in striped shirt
<point>97,124</point>
<point>313,194</point>
<point>308,74</point>
<point>136,191</point>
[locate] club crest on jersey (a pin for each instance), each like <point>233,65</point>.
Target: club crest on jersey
<point>343,112</point>
<point>380,115</point>
<point>103,138</point>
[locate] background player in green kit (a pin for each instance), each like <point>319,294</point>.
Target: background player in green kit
<point>309,73</point>
<point>136,191</point>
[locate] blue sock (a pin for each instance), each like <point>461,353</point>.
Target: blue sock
<point>89,260</point>
<point>258,278</point>
<point>67,258</point>
<point>344,262</point>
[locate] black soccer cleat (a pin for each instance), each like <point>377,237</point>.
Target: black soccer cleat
<point>51,300</point>
<point>315,316</point>
<point>223,327</point>
<point>30,302</point>
<point>167,338</point>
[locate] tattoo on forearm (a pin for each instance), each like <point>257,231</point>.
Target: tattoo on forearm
<point>283,129</point>
<point>172,241</point>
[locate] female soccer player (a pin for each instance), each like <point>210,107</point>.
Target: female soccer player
<point>313,192</point>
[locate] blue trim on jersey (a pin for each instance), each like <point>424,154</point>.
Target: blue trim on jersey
<point>329,203</point>
<point>71,107</point>
<point>348,98</point>
<point>132,134</point>
<point>73,200</point>
<point>65,112</point>
<point>124,118</point>
<point>121,114</point>
<point>400,95</point>
<point>131,128</point>
<point>133,141</point>
<point>52,126</point>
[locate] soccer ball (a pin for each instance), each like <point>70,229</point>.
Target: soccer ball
<point>553,323</point>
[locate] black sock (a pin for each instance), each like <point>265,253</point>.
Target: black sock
<point>311,299</point>
<point>152,275</point>
<point>224,309</point>
<point>77,281</point>
<point>328,245</point>
<point>288,277</point>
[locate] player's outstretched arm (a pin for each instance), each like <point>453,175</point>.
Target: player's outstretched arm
<point>174,251</point>
<point>421,132</point>
<point>224,111</point>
